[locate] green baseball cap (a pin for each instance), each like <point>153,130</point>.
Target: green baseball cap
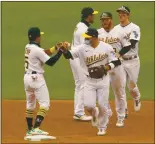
<point>34,32</point>
<point>106,15</point>
<point>86,11</point>
<point>91,32</point>
<point>124,9</point>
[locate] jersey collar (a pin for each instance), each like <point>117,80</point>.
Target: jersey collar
<point>33,42</point>
<point>85,22</point>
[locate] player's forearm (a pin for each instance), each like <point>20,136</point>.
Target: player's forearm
<point>68,55</point>
<point>112,64</point>
<point>50,51</point>
<point>124,50</point>
<point>54,59</point>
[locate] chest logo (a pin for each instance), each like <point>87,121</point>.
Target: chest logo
<point>110,40</point>
<point>95,58</point>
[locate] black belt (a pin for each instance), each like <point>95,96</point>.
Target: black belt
<point>33,72</point>
<point>130,58</point>
<point>94,78</point>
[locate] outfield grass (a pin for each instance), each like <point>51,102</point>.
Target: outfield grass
<point>58,20</point>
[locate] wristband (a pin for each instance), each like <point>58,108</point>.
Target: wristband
<point>52,50</point>
<point>111,65</point>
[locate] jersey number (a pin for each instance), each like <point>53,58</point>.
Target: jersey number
<point>26,63</point>
<point>135,33</point>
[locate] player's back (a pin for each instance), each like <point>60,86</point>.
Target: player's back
<point>77,36</point>
<point>33,60</point>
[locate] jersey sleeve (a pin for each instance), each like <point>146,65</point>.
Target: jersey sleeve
<point>41,55</point>
<point>124,41</point>
<point>111,54</point>
<point>75,52</point>
<point>135,34</point>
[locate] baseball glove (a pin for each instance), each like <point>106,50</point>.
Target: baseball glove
<point>97,72</point>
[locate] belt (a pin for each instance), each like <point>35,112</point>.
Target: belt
<point>130,58</point>
<point>33,72</point>
<point>94,78</point>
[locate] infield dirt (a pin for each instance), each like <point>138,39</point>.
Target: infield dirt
<point>139,127</point>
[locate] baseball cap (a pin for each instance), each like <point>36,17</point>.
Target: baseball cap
<point>91,32</point>
<point>124,9</point>
<point>86,11</point>
<point>34,32</point>
<point>106,15</point>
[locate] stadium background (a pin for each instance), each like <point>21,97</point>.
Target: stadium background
<point>58,20</point>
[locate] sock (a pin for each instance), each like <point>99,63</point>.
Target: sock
<point>40,117</point>
<point>38,121</point>
<point>29,118</point>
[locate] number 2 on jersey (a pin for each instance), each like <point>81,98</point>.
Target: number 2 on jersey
<point>26,59</point>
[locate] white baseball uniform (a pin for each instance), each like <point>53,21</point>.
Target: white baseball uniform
<point>116,39</point>
<point>96,89</point>
<point>131,62</point>
<point>78,71</point>
<point>34,82</point>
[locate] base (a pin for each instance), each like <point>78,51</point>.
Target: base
<point>39,137</point>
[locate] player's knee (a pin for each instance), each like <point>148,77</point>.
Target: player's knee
<point>89,106</point>
<point>105,109</point>
<point>30,106</point>
<point>131,85</point>
<point>45,105</point>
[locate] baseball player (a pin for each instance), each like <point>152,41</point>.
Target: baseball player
<point>34,82</point>
<point>109,34</point>
<point>93,56</point>
<point>131,62</point>
<point>87,18</point>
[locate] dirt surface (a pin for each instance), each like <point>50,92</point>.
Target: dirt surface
<point>139,127</point>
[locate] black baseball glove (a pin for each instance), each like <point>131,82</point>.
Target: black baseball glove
<point>97,72</point>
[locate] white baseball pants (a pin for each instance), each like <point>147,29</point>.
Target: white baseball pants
<point>36,89</point>
<point>79,79</point>
<point>97,90</point>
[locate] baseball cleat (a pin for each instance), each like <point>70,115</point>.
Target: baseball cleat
<point>82,118</point>
<point>28,133</point>
<point>126,113</point>
<point>37,131</point>
<point>120,123</point>
<point>137,105</point>
<point>101,132</point>
<point>94,119</point>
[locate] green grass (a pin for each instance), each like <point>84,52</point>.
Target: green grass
<point>58,20</point>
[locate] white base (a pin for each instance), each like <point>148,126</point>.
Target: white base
<point>39,137</point>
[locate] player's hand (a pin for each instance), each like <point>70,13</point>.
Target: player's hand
<point>58,45</point>
<point>119,56</point>
<point>65,46</point>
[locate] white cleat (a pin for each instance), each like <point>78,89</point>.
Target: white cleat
<point>137,105</point>
<point>37,131</point>
<point>101,132</point>
<point>82,118</point>
<point>94,120</point>
<point>120,123</point>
